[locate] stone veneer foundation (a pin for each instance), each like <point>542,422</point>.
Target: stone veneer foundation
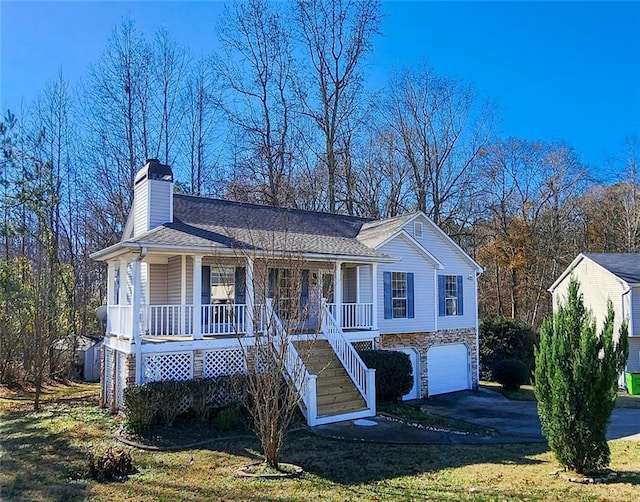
<point>422,341</point>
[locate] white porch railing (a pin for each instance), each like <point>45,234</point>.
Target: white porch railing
<point>223,319</point>
<point>354,315</point>
<point>304,382</point>
<point>120,320</point>
<point>167,320</point>
<point>362,377</point>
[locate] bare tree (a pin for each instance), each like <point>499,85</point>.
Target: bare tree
<point>443,130</point>
<point>338,36</point>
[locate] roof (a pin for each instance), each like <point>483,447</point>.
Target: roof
<point>375,232</point>
<point>626,266</point>
<point>225,225</point>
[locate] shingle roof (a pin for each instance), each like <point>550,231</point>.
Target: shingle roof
<point>624,265</point>
<point>221,224</point>
<point>375,232</point>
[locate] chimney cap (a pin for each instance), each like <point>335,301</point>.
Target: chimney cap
<point>154,170</point>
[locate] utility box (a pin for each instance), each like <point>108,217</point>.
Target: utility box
<point>633,383</point>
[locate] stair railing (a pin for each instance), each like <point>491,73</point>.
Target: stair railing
<point>363,378</point>
<point>304,382</point>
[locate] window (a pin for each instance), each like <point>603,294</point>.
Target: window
<point>450,295</point>
<point>399,294</point>
<point>417,229</point>
<point>223,281</point>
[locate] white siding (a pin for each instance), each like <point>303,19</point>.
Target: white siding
<point>597,286</point>
<point>160,202</point>
<point>455,263</point>
<point>174,280</point>
<point>140,203</point>
<point>424,301</point>
<point>158,284</point>
<point>364,271</point>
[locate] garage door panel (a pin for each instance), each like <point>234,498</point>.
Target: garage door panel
<point>448,368</point>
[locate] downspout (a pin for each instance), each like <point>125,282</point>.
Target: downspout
<point>141,256</point>
<point>630,326</point>
<point>475,285</point>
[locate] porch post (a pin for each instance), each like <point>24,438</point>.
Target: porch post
<point>122,282</point>
<point>197,297</point>
<point>135,301</point>
<point>183,294</point>
<point>337,292</point>
<point>374,296</point>
<point>111,298</point>
<point>249,299</point>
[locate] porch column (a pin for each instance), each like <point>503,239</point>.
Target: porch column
<point>111,296</point>
<point>183,294</point>
<point>122,282</point>
<point>250,298</point>
<point>337,292</point>
<point>197,297</point>
<point>374,296</point>
<point>136,295</point>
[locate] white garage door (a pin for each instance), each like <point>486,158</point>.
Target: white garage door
<point>448,368</point>
<point>414,393</point>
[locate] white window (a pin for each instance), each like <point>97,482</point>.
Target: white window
<point>417,229</point>
<point>399,294</point>
<point>223,282</point>
<point>451,294</point>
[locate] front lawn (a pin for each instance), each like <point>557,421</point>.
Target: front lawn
<point>39,451</point>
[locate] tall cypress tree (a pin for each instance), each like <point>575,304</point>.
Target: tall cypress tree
<point>576,382</point>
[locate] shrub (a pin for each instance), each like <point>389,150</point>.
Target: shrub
<point>110,466</point>
<point>170,396</point>
<point>511,373</point>
<point>202,393</point>
<point>502,338</point>
<point>394,374</point>
<point>140,406</point>
<point>576,382</point>
<point>228,418</point>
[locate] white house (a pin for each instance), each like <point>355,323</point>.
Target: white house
<point>604,277</point>
<point>191,274</point>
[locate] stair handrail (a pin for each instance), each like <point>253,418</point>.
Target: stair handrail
<point>362,377</point>
<point>304,382</point>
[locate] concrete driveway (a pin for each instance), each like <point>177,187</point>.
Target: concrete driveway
<point>518,419</point>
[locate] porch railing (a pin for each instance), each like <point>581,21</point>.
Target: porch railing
<point>119,320</point>
<point>304,382</point>
<point>354,315</point>
<point>167,320</point>
<point>223,319</point>
<point>362,377</point>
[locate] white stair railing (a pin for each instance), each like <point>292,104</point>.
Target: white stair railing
<point>304,382</point>
<point>362,377</point>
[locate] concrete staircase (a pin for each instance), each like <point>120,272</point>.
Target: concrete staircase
<point>336,393</point>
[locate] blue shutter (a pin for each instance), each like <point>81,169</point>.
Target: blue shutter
<point>442,307</point>
<point>388,307</point>
<point>410,309</point>
<point>304,289</point>
<point>459,291</point>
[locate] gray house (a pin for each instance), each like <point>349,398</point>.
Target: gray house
<point>192,277</point>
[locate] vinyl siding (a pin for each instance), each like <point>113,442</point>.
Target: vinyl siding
<point>454,264</point>
<point>411,260</point>
<point>350,285</point>
<point>635,311</point>
<point>597,286</point>
<point>174,280</point>
<point>160,202</point>
<point>140,219</point>
<point>633,363</point>
<point>158,284</point>
<point>365,283</point>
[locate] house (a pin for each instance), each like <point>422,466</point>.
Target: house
<point>604,277</point>
<point>192,277</point>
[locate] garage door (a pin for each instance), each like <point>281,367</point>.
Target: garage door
<point>414,393</point>
<point>448,368</point>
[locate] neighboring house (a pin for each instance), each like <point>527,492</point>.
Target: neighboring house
<point>604,277</point>
<point>191,273</point>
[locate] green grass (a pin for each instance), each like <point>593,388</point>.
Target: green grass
<point>525,393</point>
<point>39,451</point>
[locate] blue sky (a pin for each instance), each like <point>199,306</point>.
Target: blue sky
<point>557,70</point>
